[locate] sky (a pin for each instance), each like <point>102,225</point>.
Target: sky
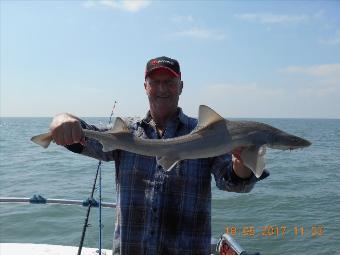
<point>244,59</point>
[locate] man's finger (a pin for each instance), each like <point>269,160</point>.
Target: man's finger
<point>58,136</point>
<point>237,155</point>
<point>236,159</point>
<point>237,152</point>
<point>67,131</point>
<point>77,134</point>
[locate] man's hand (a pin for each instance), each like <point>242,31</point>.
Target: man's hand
<point>239,168</point>
<point>66,129</point>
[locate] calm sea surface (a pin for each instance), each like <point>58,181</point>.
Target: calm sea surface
<point>294,211</point>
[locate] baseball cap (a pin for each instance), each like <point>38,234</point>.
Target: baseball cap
<point>163,62</point>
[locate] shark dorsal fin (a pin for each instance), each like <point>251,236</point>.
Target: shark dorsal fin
<point>119,126</point>
<point>206,116</point>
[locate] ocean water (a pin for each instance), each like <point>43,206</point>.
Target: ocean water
<point>296,210</point>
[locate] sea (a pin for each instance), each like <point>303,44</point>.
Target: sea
<point>296,210</point>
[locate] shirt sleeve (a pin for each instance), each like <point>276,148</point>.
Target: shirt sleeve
<point>225,177</point>
<point>92,148</point>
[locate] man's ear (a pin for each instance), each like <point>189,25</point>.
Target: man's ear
<point>146,90</point>
<point>181,87</point>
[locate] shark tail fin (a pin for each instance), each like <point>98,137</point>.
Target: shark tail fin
<point>253,158</point>
<point>43,140</point>
<point>119,127</point>
<point>167,162</point>
<point>207,116</point>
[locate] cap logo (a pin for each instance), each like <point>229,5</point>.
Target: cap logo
<point>155,62</point>
<point>165,61</point>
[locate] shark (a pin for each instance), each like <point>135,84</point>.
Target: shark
<point>213,136</point>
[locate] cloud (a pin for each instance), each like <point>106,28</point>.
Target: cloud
<point>253,100</point>
<point>200,33</point>
<point>328,70</point>
<point>124,5</point>
<point>189,27</point>
<point>323,90</point>
<point>237,90</point>
<point>325,79</point>
<point>332,41</point>
<point>89,4</point>
<point>310,91</point>
<point>235,100</point>
<point>254,93</point>
<point>270,18</point>
<point>182,19</point>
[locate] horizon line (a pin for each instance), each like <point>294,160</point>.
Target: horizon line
<point>242,117</point>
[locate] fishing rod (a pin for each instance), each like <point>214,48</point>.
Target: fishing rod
<point>100,202</point>
<point>88,212</point>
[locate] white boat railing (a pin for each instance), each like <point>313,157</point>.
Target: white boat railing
<point>37,199</point>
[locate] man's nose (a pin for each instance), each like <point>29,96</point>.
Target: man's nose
<point>163,86</point>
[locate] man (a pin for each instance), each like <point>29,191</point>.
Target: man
<point>160,212</point>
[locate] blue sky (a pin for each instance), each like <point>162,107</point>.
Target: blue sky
<point>242,58</point>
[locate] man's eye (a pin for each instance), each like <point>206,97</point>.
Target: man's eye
<point>171,82</point>
<point>153,83</point>
<point>167,83</point>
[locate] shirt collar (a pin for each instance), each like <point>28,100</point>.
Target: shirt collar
<point>181,117</point>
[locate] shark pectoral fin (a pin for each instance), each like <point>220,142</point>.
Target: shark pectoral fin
<point>253,158</point>
<point>43,140</point>
<point>107,146</point>
<point>107,140</point>
<point>119,127</point>
<point>206,116</point>
<point>167,163</point>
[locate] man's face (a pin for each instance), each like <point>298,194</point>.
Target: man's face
<point>163,90</point>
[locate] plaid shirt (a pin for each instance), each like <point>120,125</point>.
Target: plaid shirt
<point>162,212</point>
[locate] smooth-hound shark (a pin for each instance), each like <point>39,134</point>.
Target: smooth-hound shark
<point>213,136</point>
